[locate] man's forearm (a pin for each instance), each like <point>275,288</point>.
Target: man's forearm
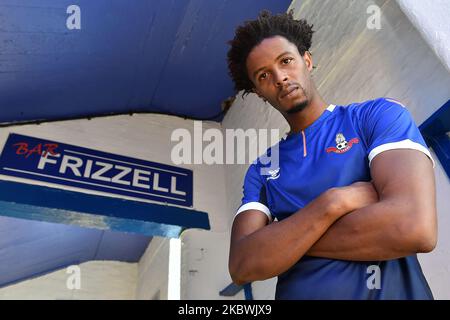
<point>275,248</point>
<point>372,233</point>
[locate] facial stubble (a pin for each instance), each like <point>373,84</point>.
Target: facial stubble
<point>299,106</point>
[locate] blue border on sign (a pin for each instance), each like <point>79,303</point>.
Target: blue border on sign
<point>25,201</point>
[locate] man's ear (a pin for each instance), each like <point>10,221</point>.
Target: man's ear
<point>307,57</point>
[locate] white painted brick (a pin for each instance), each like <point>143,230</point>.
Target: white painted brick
<point>99,280</point>
<point>153,270</point>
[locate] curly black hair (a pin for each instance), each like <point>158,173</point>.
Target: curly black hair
<point>253,32</point>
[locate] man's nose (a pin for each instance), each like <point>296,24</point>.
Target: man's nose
<point>280,79</point>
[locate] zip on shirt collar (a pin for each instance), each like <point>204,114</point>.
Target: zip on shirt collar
<point>330,108</point>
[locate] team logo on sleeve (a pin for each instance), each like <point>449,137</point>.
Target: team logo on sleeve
<point>342,145</point>
<point>274,174</point>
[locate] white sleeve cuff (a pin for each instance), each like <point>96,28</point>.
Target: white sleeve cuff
<point>255,206</point>
<point>404,144</point>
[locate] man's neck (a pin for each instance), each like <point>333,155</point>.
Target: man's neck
<point>301,120</point>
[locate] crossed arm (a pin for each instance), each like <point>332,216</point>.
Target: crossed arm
<point>349,223</point>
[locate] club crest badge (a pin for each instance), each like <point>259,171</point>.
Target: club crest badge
<point>342,145</point>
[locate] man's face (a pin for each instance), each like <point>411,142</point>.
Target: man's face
<point>280,74</point>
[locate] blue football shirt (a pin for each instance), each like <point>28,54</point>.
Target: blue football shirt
<point>335,151</point>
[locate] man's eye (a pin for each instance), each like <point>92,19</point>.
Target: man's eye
<point>263,76</point>
<point>286,60</point>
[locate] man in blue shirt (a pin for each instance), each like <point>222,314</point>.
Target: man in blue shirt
<point>354,194</point>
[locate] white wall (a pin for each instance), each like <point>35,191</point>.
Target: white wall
<point>205,265</point>
<point>153,271</point>
<point>356,64</point>
<point>107,280</point>
<point>431,19</point>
